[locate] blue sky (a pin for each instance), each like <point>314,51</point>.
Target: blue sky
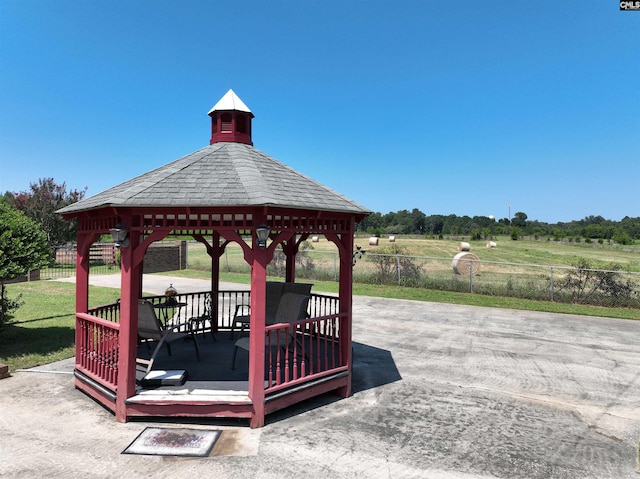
<point>465,107</point>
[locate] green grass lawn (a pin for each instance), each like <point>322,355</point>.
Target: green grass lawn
<point>43,328</point>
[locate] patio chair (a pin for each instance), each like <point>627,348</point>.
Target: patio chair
<point>274,292</point>
<point>150,329</point>
<point>292,308</point>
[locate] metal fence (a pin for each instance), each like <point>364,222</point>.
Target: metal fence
<point>103,259</point>
<point>611,288</point>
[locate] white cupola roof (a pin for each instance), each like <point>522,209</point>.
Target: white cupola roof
<point>230,102</point>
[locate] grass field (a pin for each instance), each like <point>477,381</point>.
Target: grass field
<point>540,252</point>
<point>533,252</point>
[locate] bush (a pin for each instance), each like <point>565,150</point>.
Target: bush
<point>393,266</point>
<point>622,237</point>
<point>305,266</point>
<point>600,287</point>
<point>23,247</point>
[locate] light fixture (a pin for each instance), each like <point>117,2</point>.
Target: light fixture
<point>262,232</point>
<point>119,234</point>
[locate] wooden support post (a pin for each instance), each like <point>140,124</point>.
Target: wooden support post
<point>128,336</point>
<point>257,334</point>
<point>345,293</point>
<point>290,250</point>
<point>216,253</point>
<point>291,247</point>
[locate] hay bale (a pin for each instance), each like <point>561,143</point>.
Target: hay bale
<point>392,239</point>
<point>463,261</point>
<point>373,241</point>
<point>491,244</point>
<point>315,239</point>
<point>464,246</point>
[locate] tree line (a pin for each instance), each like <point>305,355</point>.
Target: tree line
<point>44,197</point>
<point>416,222</point>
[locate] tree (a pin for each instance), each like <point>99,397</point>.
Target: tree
<point>371,224</point>
<point>40,204</point>
<point>519,220</point>
<point>23,247</point>
<point>434,224</point>
<point>419,221</point>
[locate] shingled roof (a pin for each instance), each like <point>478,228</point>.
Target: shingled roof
<point>221,175</point>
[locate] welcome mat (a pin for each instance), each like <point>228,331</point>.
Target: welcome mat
<point>161,441</point>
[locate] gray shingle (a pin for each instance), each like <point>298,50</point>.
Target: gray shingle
<point>222,174</point>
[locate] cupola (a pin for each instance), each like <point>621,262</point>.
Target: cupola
<point>230,120</point>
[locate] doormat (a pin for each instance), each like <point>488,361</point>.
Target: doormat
<point>161,441</point>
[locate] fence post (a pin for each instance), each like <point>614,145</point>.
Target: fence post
<point>398,266</point>
<point>551,285</point>
<point>471,276</point>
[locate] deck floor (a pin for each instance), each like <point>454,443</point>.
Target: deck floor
<point>211,377</point>
<point>214,365</point>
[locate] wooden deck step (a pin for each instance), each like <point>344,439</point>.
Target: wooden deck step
<point>191,391</point>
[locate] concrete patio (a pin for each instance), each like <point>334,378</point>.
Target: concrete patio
<point>440,391</point>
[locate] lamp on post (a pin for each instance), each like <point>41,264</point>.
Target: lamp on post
<point>262,232</point>
<point>119,234</point>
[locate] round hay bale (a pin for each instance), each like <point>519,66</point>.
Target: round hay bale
<point>392,239</point>
<point>315,239</point>
<point>491,244</point>
<point>464,246</point>
<point>463,261</point>
<point>373,241</point>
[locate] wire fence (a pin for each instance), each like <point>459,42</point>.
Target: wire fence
<point>563,284</point>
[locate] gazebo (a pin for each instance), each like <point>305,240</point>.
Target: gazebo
<point>225,192</point>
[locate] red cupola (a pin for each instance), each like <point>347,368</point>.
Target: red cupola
<point>230,120</point>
